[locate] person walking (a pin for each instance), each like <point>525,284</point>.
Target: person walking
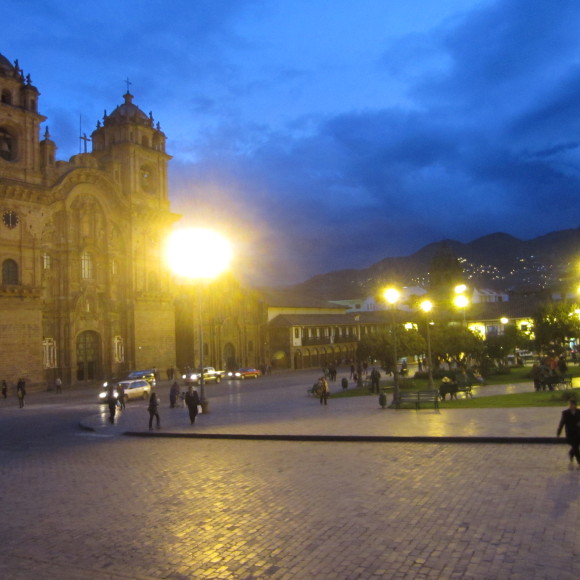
<point>111,403</point>
<point>121,396</point>
<point>323,386</point>
<point>21,392</point>
<point>570,422</point>
<point>58,385</point>
<point>173,394</point>
<point>153,409</point>
<point>4,390</point>
<point>192,401</point>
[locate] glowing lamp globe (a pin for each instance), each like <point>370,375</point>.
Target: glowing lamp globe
<point>198,253</point>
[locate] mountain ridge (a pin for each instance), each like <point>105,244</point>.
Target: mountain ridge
<point>498,261</point>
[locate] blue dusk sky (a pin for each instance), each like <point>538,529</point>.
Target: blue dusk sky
<point>328,134</point>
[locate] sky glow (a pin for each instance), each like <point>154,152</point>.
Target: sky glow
<point>330,134</point>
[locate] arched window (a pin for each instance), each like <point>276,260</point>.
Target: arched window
<point>7,149</point>
<point>10,272</point>
<point>6,97</point>
<point>86,266</point>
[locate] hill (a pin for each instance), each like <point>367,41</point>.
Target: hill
<point>497,261</point>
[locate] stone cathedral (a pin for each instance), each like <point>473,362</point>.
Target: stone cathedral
<point>84,292</point>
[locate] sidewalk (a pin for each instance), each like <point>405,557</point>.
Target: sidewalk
<point>290,414</point>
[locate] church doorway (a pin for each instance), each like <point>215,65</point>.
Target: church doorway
<point>230,357</point>
<point>88,355</point>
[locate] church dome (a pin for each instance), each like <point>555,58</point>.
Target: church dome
<point>128,113</point>
<point>6,67</point>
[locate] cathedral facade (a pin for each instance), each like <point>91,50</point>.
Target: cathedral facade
<point>85,292</point>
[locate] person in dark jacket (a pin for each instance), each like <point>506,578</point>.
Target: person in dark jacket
<point>570,422</point>
<point>173,394</point>
<point>192,401</point>
<point>21,392</point>
<point>112,403</point>
<point>153,409</point>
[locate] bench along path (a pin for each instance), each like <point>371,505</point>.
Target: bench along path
<point>417,397</point>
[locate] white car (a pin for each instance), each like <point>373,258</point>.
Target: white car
<point>140,389</point>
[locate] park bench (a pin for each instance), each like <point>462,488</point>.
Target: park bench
<point>417,397</point>
<point>556,382</point>
<point>452,388</point>
<point>465,389</point>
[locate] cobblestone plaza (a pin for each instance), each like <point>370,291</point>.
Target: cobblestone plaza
<point>105,506</point>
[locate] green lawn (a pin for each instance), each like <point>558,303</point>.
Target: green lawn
<point>518,375</point>
<point>533,399</point>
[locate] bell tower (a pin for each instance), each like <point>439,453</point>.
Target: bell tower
<point>20,157</point>
<point>132,147</point>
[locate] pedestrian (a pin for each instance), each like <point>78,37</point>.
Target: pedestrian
<point>570,422</point>
<point>112,403</point>
<point>153,409</point>
<point>121,396</point>
<point>192,401</point>
<point>4,389</point>
<point>323,387</point>
<point>21,392</point>
<point>173,394</point>
<point>58,385</point>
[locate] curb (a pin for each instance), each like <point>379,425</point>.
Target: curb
<point>352,438</point>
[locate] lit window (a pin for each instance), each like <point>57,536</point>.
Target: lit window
<point>118,349</point>
<point>46,262</point>
<point>86,266</point>
<point>49,353</point>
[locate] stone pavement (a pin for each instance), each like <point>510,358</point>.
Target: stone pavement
<point>290,413</point>
<point>107,507</point>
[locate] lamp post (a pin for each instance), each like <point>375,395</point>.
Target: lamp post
<point>462,302</point>
<point>426,307</point>
<point>392,296</point>
<point>199,255</point>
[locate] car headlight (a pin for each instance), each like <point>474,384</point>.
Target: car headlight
<point>238,374</point>
<point>106,384</point>
<point>102,395</point>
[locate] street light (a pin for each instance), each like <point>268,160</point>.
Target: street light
<point>462,302</point>
<point>198,254</point>
<point>426,307</point>
<point>392,296</point>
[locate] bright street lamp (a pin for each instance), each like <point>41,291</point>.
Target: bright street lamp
<point>462,302</point>
<point>198,254</point>
<point>392,296</point>
<point>426,307</point>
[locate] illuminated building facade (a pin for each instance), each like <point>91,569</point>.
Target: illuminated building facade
<point>84,292</point>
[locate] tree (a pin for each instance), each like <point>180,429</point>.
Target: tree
<point>555,324</point>
<point>380,346</point>
<point>500,346</point>
<point>455,343</point>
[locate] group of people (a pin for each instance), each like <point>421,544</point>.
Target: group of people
<point>548,372</point>
<point>116,399</point>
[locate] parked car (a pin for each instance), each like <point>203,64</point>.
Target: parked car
<point>246,373</point>
<point>139,389</point>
